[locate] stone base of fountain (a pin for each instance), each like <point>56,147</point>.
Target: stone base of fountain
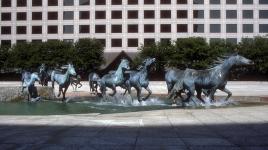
<point>14,93</point>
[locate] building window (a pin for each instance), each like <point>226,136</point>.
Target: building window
<point>181,1</point>
<point>165,1</point>
<point>100,2</point>
<point>165,14</point>
<point>263,2</point>
<point>6,30</point>
<point>215,28</point>
<point>198,28</point>
<point>100,14</point>
<point>21,41</point>
<point>148,14</point>
<point>231,2</point>
<point>133,42</point>
<point>247,14</point>
<point>68,29</point>
<point>36,15</point>
<point>231,28</point>
<point>132,14</point>
<point>21,29</point>
<point>215,14</point>
<point>231,40</point>
<point>116,42</point>
<point>102,41</point>
<point>68,2</point>
<point>36,29</point>
<point>116,2</point>
<point>132,2</point>
<point>133,28</point>
<point>148,41</point>
<point>215,2</point>
<point>84,29</point>
<point>6,17</point>
<point>52,2</point>
<point>231,14</point>
<point>263,14</point>
<point>247,1</point>
<point>165,28</point>
<point>36,2</point>
<point>117,14</point>
<point>182,14</point>
<point>84,15</point>
<point>6,43</point>
<point>198,1</point>
<point>149,28</point>
<point>247,28</point>
<point>84,2</point>
<point>116,28</point>
<point>100,28</point>
<point>165,40</point>
<point>149,2</point>
<point>52,29</point>
<point>21,16</point>
<point>68,15</point>
<point>6,3</point>
<point>198,14</point>
<point>263,28</point>
<point>21,3</point>
<point>36,41</point>
<point>53,15</point>
<point>182,28</point>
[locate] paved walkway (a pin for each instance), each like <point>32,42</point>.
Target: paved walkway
<point>186,129</point>
<point>239,88</point>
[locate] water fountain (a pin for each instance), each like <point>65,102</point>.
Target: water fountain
<point>119,102</point>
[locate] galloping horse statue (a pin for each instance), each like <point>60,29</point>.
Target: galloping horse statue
<point>139,79</point>
<point>43,74</point>
<point>63,79</point>
<point>94,81</point>
<point>211,79</point>
<point>117,78</point>
<point>28,79</point>
<point>75,81</point>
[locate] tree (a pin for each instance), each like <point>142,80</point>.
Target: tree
<point>89,54</point>
<point>257,50</point>
<point>4,54</point>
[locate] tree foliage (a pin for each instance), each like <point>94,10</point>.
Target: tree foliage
<point>89,54</point>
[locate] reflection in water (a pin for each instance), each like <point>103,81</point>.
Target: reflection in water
<point>117,104</point>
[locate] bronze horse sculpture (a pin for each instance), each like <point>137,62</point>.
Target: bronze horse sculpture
<point>112,80</point>
<point>210,79</point>
<point>28,79</point>
<point>94,81</point>
<point>139,79</point>
<point>63,79</point>
<point>43,74</point>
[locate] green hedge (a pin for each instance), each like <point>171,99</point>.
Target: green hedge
<point>82,54</point>
<point>195,52</point>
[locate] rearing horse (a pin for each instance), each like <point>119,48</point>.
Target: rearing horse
<point>114,79</point>
<point>139,79</point>
<point>63,79</point>
<point>43,74</point>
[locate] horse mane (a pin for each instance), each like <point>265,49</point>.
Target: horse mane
<point>220,60</point>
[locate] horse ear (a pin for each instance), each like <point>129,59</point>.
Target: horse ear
<point>139,67</point>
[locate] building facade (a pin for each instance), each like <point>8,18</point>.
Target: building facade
<point>126,24</point>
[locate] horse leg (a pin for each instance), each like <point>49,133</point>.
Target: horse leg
<point>228,92</point>
<point>63,93</point>
<point>114,90</point>
<point>52,82</point>
<point>211,94</point>
<point>60,89</point>
<point>139,93</point>
<point>199,96</point>
<point>149,93</point>
<point>169,86</point>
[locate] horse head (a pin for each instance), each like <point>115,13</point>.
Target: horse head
<point>240,60</point>
<point>124,64</point>
<point>71,70</point>
<point>149,62</point>
<point>42,68</point>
